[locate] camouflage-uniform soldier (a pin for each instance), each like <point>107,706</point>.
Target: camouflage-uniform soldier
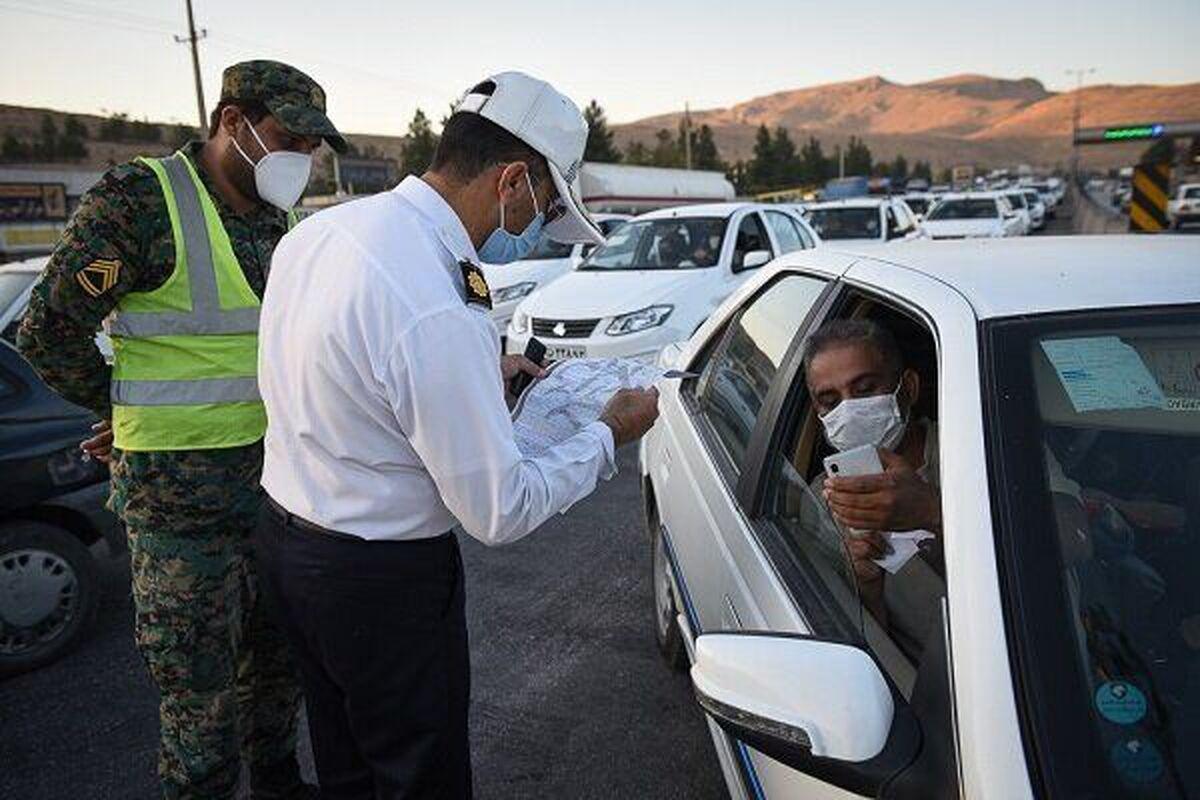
<point>173,255</point>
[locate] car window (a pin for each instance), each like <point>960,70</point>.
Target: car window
<point>785,231</point>
<point>845,222</point>
<point>664,243</point>
<point>751,236</point>
<point>964,209</point>
<point>1104,540</point>
<point>898,612</point>
<point>804,234</point>
<point>547,249</point>
<point>734,380</point>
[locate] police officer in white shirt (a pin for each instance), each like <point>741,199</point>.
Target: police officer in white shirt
<point>385,395</point>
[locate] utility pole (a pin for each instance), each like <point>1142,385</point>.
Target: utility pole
<point>1076,115</point>
<point>687,136</point>
<point>193,38</point>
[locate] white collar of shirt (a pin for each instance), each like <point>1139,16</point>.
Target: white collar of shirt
<point>434,208</point>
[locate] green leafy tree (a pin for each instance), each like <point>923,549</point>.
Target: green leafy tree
<point>115,128</point>
<point>600,143</point>
<point>814,167</point>
<point>704,151</point>
<point>636,153</point>
<point>46,148</point>
<point>667,150</point>
<point>760,170</point>
<point>73,127</point>
<point>858,157</point>
<point>922,169</point>
<point>785,162</point>
<point>898,169</point>
<point>13,150</point>
<point>419,145</point>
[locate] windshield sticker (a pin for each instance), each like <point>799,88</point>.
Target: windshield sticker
<point>1176,366</point>
<point>1120,702</point>
<point>1102,373</point>
<point>1137,760</point>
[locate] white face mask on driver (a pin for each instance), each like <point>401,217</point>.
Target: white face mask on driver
<point>874,420</point>
<point>280,175</point>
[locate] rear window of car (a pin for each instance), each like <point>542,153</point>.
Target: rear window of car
<point>964,209</point>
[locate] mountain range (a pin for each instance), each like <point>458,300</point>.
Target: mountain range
<point>959,119</point>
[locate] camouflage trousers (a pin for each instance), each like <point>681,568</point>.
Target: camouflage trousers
<point>228,687</point>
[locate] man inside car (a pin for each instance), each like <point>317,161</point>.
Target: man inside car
<point>864,393</point>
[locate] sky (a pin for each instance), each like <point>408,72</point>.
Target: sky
<point>379,61</point>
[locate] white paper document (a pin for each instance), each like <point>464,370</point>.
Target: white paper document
<point>571,397</point>
<point>905,545</point>
<point>1102,373</point>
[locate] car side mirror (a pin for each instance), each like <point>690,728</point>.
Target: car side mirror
<point>820,707</point>
<point>754,259</point>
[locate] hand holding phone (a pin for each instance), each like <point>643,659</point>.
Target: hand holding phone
<point>859,461</point>
<point>535,351</point>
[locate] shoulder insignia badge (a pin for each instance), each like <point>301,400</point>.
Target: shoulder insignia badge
<point>99,276</point>
<point>477,288</point>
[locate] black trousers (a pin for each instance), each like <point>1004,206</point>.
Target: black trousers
<point>379,635</point>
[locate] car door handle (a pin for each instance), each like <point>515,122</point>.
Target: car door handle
<point>732,620</point>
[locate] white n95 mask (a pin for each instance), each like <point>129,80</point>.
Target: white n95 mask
<point>859,421</point>
<point>280,175</point>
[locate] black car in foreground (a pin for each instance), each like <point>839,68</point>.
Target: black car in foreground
<point>51,514</point>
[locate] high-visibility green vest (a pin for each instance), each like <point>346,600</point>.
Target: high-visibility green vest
<point>185,355</point>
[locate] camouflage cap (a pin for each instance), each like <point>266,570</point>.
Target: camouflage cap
<point>293,98</point>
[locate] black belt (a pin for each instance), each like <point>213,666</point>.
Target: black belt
<point>294,521</point>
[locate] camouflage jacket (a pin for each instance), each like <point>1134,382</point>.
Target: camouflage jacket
<point>117,241</point>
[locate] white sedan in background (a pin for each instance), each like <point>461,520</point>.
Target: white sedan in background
<point>973,215</point>
<point>511,283</point>
<point>1047,644</point>
<point>863,220</point>
<point>655,280</point>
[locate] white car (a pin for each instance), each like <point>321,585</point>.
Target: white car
<point>1020,204</point>
<point>1037,209</point>
<point>17,279</point>
<point>918,203</point>
<point>1185,207</point>
<point>510,283</point>
<point>655,280</point>
<point>973,215</point>
<point>1047,643</point>
<point>862,220</point>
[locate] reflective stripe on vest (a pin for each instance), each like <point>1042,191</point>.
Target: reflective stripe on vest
<point>186,379</point>
<point>206,316</point>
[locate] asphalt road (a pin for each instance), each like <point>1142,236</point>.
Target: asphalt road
<point>571,699</point>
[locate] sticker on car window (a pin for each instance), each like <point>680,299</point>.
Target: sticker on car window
<point>1102,373</point>
<point>1137,760</point>
<point>1120,702</point>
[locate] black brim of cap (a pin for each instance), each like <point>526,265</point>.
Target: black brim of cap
<point>306,120</point>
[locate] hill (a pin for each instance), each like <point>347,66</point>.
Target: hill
<point>959,119</point>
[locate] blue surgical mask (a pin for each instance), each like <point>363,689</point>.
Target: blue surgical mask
<point>503,247</point>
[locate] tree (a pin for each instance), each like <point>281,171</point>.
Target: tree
<point>600,144</point>
<point>636,153</point>
<point>115,128</point>
<point>784,162</point>
<point>419,145</point>
<point>47,143</point>
<point>858,157</point>
<point>946,175</point>
<point>760,171</point>
<point>898,170</point>
<point>13,150</point>
<point>922,169</point>
<point>73,127</point>
<point>814,168</point>
<point>667,151</point>
<point>704,151</point>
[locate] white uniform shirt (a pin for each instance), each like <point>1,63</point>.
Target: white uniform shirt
<point>386,413</point>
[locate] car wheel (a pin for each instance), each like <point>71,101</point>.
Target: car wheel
<point>666,628</point>
<point>48,594</point>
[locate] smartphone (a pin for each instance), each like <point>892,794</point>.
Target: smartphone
<point>859,461</point>
<point>535,351</point>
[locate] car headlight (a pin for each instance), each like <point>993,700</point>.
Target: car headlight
<point>650,317</point>
<point>520,322</point>
<point>514,292</point>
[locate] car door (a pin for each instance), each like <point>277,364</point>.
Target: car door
<point>698,471</point>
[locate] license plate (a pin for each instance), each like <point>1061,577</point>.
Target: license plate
<point>559,353</point>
